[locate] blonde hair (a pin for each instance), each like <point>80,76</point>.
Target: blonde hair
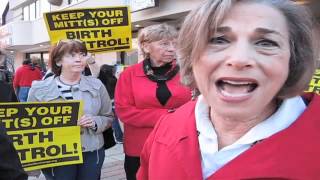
<point>202,22</point>
<point>155,33</point>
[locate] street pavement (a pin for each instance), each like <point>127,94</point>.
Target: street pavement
<point>112,168</point>
<point>113,164</point>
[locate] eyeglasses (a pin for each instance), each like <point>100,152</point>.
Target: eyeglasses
<point>165,44</point>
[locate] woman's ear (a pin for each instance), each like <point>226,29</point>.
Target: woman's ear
<point>146,47</point>
<point>58,64</point>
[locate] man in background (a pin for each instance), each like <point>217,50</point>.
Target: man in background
<point>23,78</point>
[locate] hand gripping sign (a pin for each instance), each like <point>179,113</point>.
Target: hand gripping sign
<point>314,85</point>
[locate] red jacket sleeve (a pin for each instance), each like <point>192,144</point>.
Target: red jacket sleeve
<point>39,74</point>
<point>125,106</point>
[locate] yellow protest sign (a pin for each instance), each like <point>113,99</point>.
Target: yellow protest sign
<point>44,134</point>
<point>314,85</point>
<point>102,29</point>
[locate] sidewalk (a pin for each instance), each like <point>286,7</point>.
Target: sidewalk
<point>112,168</point>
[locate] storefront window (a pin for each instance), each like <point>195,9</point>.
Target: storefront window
<point>73,1</point>
<point>138,5</point>
<point>35,10</point>
<point>41,58</point>
<point>32,11</point>
<point>26,13</point>
<point>45,58</point>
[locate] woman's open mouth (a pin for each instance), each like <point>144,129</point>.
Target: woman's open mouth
<point>236,88</point>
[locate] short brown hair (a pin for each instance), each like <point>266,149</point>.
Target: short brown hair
<point>203,21</point>
<point>155,32</point>
<point>64,47</point>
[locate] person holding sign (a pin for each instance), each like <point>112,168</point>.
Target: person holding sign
<point>148,90</point>
<point>250,60</point>
<point>68,59</point>
<point>10,165</point>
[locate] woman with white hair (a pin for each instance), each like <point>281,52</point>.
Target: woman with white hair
<point>148,90</point>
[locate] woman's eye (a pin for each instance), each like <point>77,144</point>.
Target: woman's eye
<point>218,40</point>
<point>73,54</point>
<point>164,44</point>
<point>267,43</point>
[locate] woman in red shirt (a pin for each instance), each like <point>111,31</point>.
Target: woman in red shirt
<point>148,90</point>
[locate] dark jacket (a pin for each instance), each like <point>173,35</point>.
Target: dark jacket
<point>108,79</point>
<point>7,93</point>
<point>10,166</point>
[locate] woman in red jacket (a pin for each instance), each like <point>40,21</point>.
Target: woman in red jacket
<point>250,60</point>
<point>148,90</point>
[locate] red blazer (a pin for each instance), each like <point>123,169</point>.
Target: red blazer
<point>172,151</point>
<point>138,108</point>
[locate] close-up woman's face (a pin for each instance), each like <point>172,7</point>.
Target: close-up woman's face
<point>246,62</point>
<point>73,62</point>
<point>161,52</point>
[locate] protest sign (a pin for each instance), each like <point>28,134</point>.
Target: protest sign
<point>102,29</point>
<point>44,134</point>
<point>314,85</point>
